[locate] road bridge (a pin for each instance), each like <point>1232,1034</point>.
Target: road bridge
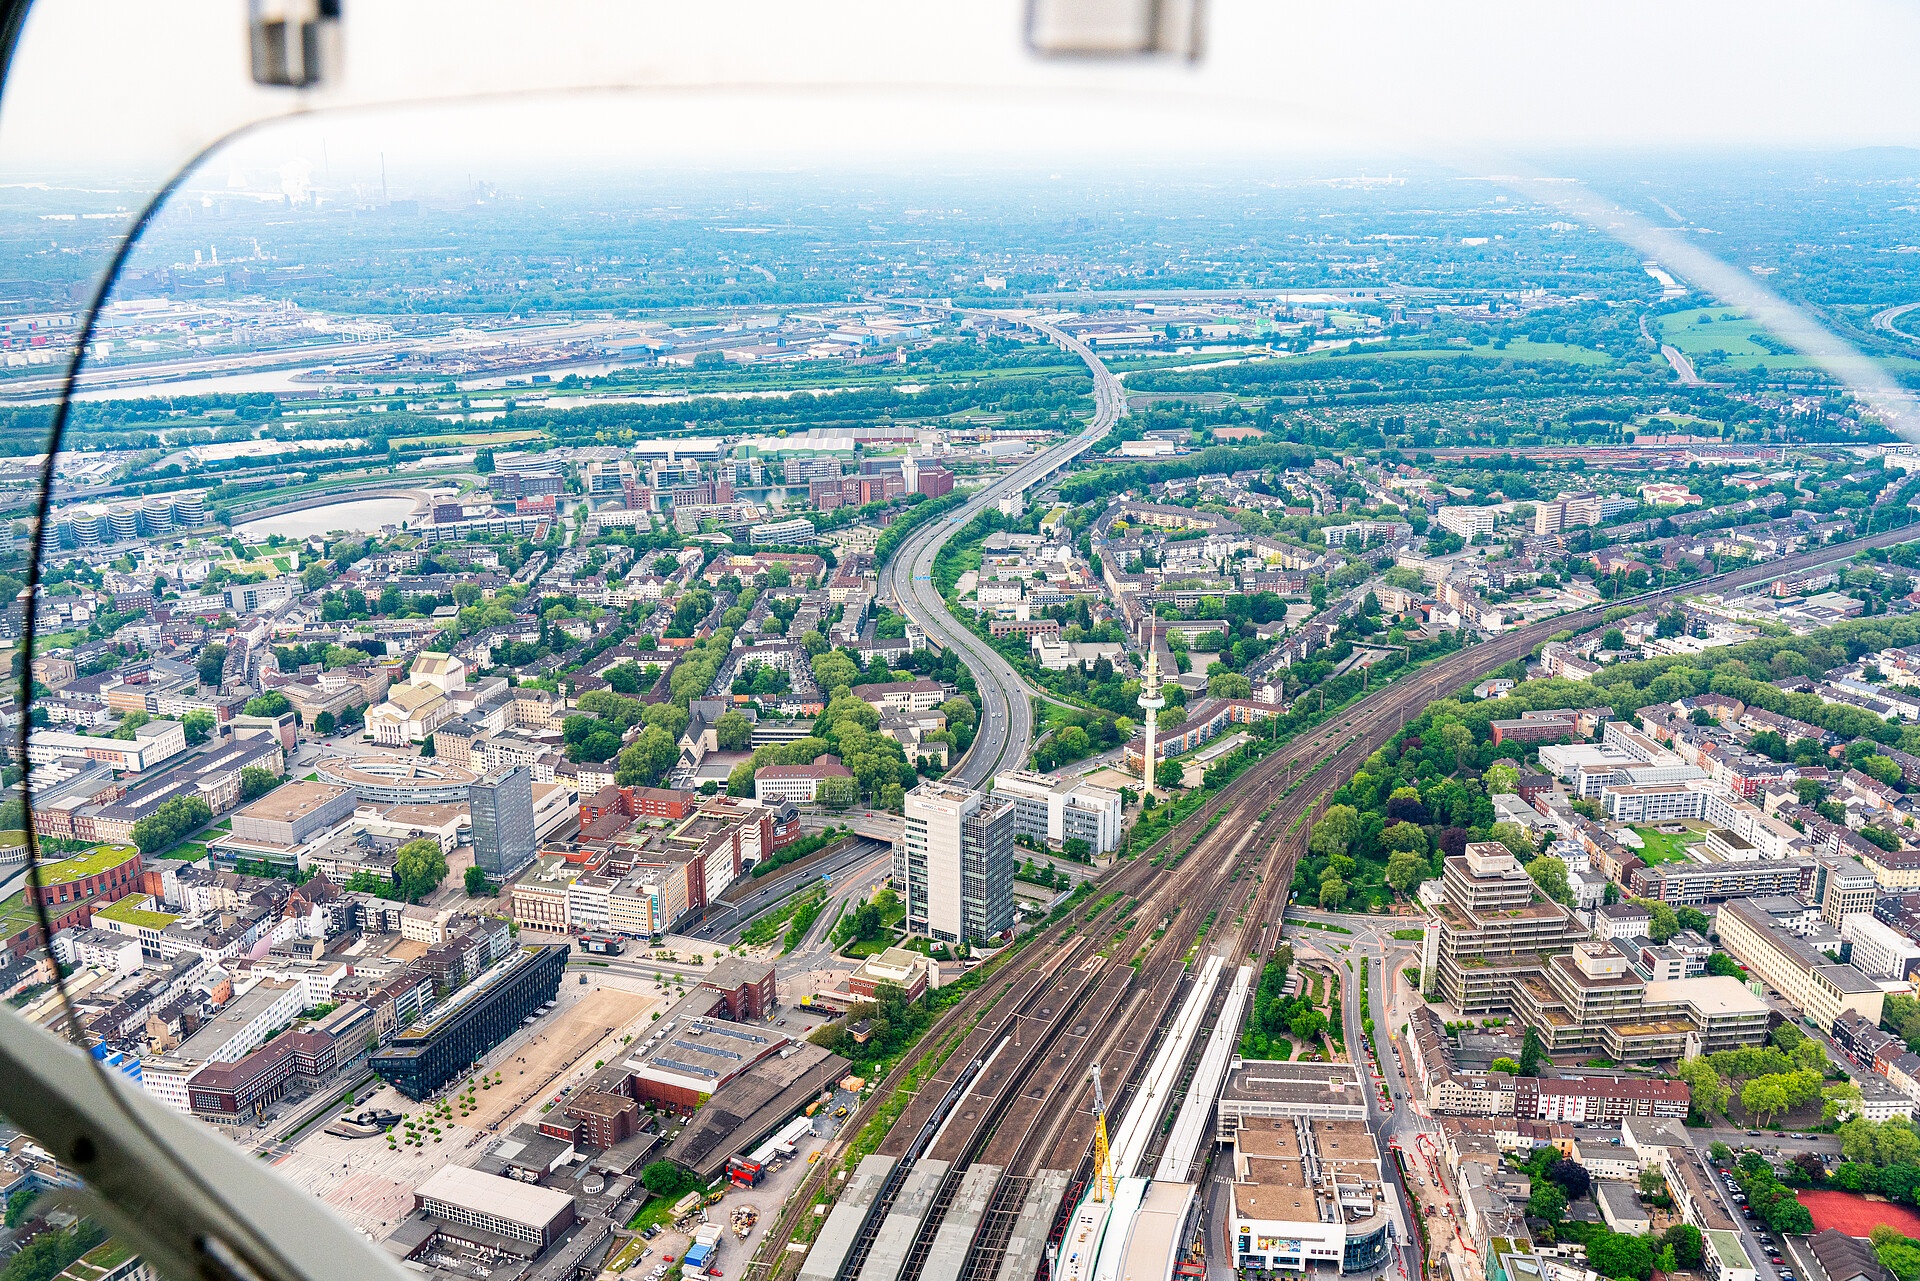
<point>906,581</point>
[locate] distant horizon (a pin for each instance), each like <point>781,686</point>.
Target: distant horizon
<point>450,176</point>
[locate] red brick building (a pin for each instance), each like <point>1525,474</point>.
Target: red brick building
<point>637,802</point>
<point>1028,627</point>
<point>1584,1100</point>
<point>109,872</point>
<point>595,1119</point>
<point>745,988</point>
<point>1545,730</point>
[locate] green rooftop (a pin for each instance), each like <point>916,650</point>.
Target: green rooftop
<point>1728,1247</point>
<point>99,1261</point>
<point>91,863</point>
<point>126,913</point>
<point>16,915</point>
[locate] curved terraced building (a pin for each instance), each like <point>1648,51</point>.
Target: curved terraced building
<point>389,778</point>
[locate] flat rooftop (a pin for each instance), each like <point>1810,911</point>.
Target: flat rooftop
<point>91,863</point>
<point>477,990</point>
<point>1296,1084</point>
<point>697,1046</point>
<point>510,1199</point>
<point>128,912</point>
<point>231,1020</point>
<point>1727,1246</point>
<point>291,802</point>
<point>1274,1178</point>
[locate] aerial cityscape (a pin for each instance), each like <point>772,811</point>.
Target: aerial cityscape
<point>826,728</point>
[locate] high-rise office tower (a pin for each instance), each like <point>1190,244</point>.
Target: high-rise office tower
<point>502,807</point>
<point>954,862</point>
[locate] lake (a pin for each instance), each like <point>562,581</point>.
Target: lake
<point>356,515</point>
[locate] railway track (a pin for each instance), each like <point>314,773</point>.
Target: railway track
<point>1001,1114</point>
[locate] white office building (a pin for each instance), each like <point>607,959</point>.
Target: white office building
<point>1468,522</point>
<point>1049,808</point>
<point>1879,950</point>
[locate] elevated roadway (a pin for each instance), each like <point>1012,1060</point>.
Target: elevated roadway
<point>1231,861</point>
<point>906,581</point>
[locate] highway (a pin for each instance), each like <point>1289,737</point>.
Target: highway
<point>1884,318</point>
<point>1006,715</point>
<point>1682,367</point>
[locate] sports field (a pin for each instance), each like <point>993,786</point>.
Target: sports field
<point>1856,1215</point>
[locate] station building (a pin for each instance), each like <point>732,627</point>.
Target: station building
<point>1307,1191</point>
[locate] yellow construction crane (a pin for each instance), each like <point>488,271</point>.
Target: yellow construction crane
<point>1102,1158</point>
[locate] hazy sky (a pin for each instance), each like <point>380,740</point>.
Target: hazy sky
<point>1470,81</point>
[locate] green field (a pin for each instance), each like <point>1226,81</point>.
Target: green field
<point>1518,349</point>
<point>1683,329</point>
<point>1663,849</point>
<point>1521,349</point>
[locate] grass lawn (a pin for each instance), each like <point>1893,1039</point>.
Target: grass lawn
<point>189,850</point>
<point>1683,329</point>
<point>1661,848</point>
<point>1319,925</point>
<point>1519,349</point>
<point>657,1213</point>
<point>1682,422</point>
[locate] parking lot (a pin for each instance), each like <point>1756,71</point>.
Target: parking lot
<point>1765,1248</point>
